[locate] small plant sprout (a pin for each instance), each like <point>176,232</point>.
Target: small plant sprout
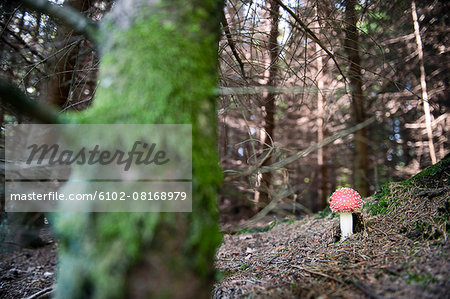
<point>345,201</point>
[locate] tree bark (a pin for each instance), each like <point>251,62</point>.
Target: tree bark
<point>423,84</point>
<point>269,99</point>
<point>321,132</point>
<point>158,65</point>
<point>361,169</point>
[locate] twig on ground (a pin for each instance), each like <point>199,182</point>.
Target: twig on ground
<point>318,273</point>
<point>45,293</point>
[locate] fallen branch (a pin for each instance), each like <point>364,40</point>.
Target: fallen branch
<point>319,273</point>
<point>45,293</point>
<point>273,203</point>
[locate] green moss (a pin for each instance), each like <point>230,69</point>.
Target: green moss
<point>291,220</point>
<point>258,229</point>
<point>385,200</point>
<point>437,175</point>
<point>419,278</point>
<point>429,183</point>
<point>162,70</point>
<point>324,213</point>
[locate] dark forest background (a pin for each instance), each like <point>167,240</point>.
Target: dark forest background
<point>292,74</point>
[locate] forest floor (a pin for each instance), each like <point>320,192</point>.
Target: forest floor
<point>28,272</point>
<point>403,252</point>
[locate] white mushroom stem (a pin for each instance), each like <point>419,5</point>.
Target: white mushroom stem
<point>346,224</point>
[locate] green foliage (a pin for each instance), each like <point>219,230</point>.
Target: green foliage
<point>293,285</point>
<point>385,200</point>
<point>346,185</point>
<point>381,204</point>
<point>418,278</point>
<point>291,220</point>
<point>343,179</point>
<point>374,23</point>
<point>324,213</point>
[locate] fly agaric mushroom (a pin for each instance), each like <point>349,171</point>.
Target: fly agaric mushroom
<point>345,201</point>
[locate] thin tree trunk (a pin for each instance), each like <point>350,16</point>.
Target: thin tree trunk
<point>361,169</point>
<point>269,99</point>
<point>321,152</point>
<point>423,83</point>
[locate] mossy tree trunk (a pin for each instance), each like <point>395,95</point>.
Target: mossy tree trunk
<point>158,65</point>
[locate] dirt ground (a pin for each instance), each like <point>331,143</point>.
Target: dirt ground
<point>28,272</point>
<point>402,253</point>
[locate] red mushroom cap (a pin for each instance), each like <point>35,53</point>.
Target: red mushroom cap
<point>345,200</point>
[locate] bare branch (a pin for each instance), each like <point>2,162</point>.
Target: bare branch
<point>18,50</point>
<point>67,16</point>
<point>248,90</point>
<point>20,40</point>
<point>231,43</point>
<point>312,35</point>
<point>305,152</point>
